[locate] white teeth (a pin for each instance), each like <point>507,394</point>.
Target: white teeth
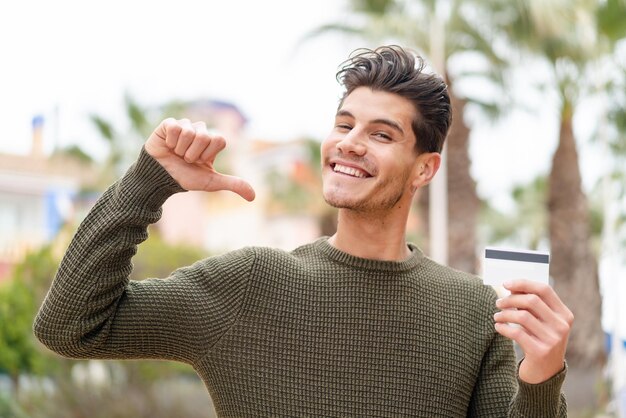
<point>349,171</point>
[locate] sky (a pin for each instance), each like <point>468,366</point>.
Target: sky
<point>68,59</point>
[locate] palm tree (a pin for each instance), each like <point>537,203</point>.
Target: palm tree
<point>442,31</point>
<point>524,226</point>
<point>123,145</point>
<point>570,37</point>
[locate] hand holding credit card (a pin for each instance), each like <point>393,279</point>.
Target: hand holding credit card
<point>528,310</point>
<point>501,265</point>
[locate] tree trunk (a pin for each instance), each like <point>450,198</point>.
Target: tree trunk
<point>15,382</point>
<point>463,202</point>
<point>573,266</point>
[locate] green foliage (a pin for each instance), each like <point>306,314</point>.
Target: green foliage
<point>526,225</point>
<point>104,127</point>
<point>37,270</point>
<point>125,142</point>
<point>299,191</point>
<point>179,397</point>
<point>617,115</point>
<point>375,7</point>
<point>9,408</point>
<point>412,24</point>
<point>75,152</point>
<point>314,155</point>
<point>291,196</point>
<point>137,117</point>
<point>157,258</point>
<point>555,30</point>
<point>19,300</point>
<point>175,109</point>
<point>20,354</point>
<point>610,16</point>
<point>123,145</point>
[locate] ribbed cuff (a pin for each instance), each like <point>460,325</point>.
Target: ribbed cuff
<point>147,184</point>
<point>541,397</point>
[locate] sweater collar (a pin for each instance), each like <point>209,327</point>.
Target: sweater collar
<point>337,255</point>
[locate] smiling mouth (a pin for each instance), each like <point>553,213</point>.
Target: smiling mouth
<point>349,171</point>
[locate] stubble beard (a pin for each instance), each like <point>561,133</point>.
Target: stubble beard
<point>373,204</point>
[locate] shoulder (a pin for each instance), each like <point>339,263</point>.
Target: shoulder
<point>459,285</point>
<point>226,266</point>
<point>249,259</point>
<point>460,299</point>
<point>303,255</point>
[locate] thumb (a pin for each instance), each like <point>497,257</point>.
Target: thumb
<point>234,184</point>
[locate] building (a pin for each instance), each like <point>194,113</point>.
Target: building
<point>37,195</point>
<point>40,193</point>
<point>223,221</point>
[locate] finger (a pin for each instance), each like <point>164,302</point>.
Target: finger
<point>528,343</point>
<point>171,132</point>
<point>217,144</point>
<point>161,130</point>
<point>558,322</point>
<point>200,142</point>
<point>186,137</point>
<point>525,319</point>
<point>526,301</point>
<point>544,291</point>
<point>234,184</point>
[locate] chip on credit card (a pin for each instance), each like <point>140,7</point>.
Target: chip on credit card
<point>501,265</point>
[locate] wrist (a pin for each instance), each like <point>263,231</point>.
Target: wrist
<point>534,373</point>
<point>147,183</point>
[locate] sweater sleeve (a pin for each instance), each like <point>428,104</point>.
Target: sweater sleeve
<point>500,392</point>
<point>93,310</point>
<point>541,400</point>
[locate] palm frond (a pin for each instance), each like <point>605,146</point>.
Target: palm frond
<point>611,20</point>
<point>136,115</point>
<point>467,37</point>
<point>373,7</point>
<point>104,127</point>
<point>491,110</point>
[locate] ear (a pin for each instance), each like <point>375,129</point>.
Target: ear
<point>426,167</point>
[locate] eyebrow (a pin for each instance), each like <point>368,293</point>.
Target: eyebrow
<point>394,125</point>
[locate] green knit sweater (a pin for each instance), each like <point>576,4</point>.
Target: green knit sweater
<point>312,332</point>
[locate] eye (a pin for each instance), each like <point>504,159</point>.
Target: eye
<point>382,136</point>
<point>343,126</point>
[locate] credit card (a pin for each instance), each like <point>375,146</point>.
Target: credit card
<point>501,265</point>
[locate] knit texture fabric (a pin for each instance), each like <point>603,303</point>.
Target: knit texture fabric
<point>312,332</point>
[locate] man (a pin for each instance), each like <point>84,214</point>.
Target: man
<point>358,324</point>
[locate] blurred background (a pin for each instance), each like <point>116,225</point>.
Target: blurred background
<point>535,158</point>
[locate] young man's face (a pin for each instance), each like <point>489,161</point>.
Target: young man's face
<point>369,160</point>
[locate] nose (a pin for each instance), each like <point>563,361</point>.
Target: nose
<point>352,143</point>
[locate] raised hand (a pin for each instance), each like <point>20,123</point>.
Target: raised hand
<point>543,326</point>
<point>187,151</point>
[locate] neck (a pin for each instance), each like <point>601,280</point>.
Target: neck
<point>372,236</point>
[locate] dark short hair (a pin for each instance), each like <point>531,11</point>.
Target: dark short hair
<point>394,69</point>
